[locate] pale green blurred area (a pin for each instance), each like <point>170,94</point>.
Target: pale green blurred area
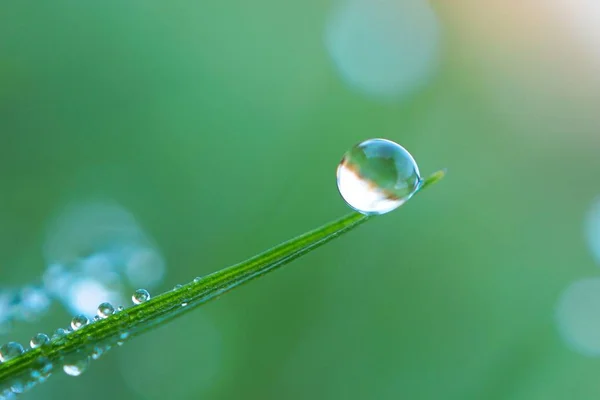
<point>219,125</point>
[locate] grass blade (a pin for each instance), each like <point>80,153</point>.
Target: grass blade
<point>34,365</point>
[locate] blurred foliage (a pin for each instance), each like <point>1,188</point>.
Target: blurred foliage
<point>219,126</point>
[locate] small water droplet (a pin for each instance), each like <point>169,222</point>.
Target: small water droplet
<point>105,310</point>
<point>39,340</point>
<point>98,351</point>
<point>10,350</point>
<point>140,296</point>
<point>76,364</point>
<point>7,394</point>
<point>60,332</point>
<point>197,279</point>
<point>17,387</point>
<point>184,304</point>
<point>79,322</point>
<point>377,176</point>
<point>45,367</point>
<point>120,308</point>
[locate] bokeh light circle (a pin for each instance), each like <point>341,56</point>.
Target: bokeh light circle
<point>578,316</point>
<point>384,48</point>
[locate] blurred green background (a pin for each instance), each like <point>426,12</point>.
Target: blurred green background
<point>218,125</point>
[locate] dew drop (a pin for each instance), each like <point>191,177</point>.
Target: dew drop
<point>39,340</point>
<point>184,304</point>
<point>105,310</point>
<point>140,296</point>
<point>120,308</point>
<point>45,367</point>
<point>178,286</point>
<point>76,365</point>
<point>10,350</point>
<point>7,394</point>
<point>377,176</point>
<point>96,353</point>
<point>59,333</point>
<point>17,387</point>
<point>197,279</point>
<point>79,322</point>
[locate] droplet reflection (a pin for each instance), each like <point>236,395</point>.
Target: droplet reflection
<point>377,176</point>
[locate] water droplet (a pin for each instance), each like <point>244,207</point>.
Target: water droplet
<point>45,367</point>
<point>197,279</point>
<point>76,364</point>
<point>39,340</point>
<point>140,296</point>
<point>184,304</point>
<point>10,350</point>
<point>96,353</point>
<point>60,332</point>
<point>17,387</point>
<point>377,176</point>
<point>79,322</point>
<point>7,394</point>
<point>96,318</point>
<point>178,286</point>
<point>105,310</point>
<point>120,308</point>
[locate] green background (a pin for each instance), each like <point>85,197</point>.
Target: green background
<point>219,125</point>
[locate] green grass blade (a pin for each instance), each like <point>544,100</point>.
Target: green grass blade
<point>106,333</point>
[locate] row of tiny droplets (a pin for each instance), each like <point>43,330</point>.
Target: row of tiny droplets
<point>73,364</point>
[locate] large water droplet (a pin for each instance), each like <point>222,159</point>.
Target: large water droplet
<point>10,350</point>
<point>39,340</point>
<point>140,296</point>
<point>76,364</point>
<point>79,322</point>
<point>377,176</point>
<point>105,310</point>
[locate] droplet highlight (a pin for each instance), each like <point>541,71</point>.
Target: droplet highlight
<point>105,310</point>
<point>10,350</point>
<point>59,333</point>
<point>39,340</point>
<point>79,322</point>
<point>76,365</point>
<point>377,176</point>
<point>140,296</point>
